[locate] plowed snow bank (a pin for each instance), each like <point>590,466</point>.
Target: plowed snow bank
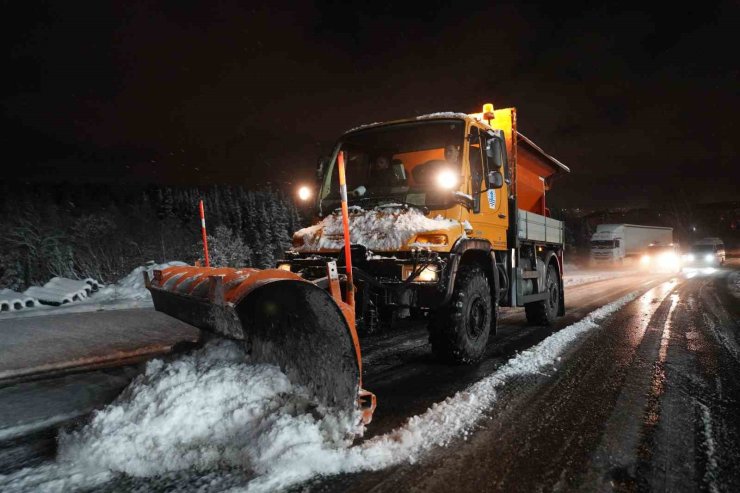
<point>132,286</point>
<point>214,410</point>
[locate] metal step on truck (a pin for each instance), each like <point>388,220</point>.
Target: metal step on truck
<point>447,222</point>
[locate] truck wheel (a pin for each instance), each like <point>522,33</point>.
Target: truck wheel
<point>459,332</point>
<point>544,312</point>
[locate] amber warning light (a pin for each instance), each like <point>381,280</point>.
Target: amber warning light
<point>488,111</point>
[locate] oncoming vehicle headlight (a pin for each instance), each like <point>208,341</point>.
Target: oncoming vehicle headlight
<point>708,257</point>
<point>284,267</point>
<point>447,179</point>
<point>427,274</point>
<point>668,260</point>
<point>645,259</point>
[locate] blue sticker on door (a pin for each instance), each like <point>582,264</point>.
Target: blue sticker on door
<point>492,198</point>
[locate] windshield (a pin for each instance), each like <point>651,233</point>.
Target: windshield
<point>599,244</point>
<point>397,164</point>
<point>703,248</point>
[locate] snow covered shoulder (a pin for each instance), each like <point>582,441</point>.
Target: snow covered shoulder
<point>380,229</point>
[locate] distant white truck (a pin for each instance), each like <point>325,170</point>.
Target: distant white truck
<point>613,243</point>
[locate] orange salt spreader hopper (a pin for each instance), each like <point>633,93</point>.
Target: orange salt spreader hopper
<point>302,326</point>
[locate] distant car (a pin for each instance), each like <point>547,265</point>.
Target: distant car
<point>709,252</point>
<point>661,257</point>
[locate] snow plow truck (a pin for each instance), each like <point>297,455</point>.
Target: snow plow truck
<point>440,217</point>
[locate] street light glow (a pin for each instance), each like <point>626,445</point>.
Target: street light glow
<point>304,193</point>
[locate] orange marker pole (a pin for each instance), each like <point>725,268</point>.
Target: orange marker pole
<point>203,231</point>
<point>345,223</point>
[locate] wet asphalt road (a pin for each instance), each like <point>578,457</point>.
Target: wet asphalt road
<point>649,401</point>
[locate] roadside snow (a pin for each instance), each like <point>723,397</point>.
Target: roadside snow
<point>212,409</point>
<point>60,290</point>
<point>379,230</point>
<point>129,292</point>
<point>733,282</point>
<point>574,276</point>
<point>132,286</point>
<point>12,300</point>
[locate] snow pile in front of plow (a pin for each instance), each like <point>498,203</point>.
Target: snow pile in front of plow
<point>209,410</point>
<point>214,411</point>
<point>381,229</point>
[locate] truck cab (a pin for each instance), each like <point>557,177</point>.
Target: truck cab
<point>448,221</point>
<point>707,252</point>
<point>607,244</point>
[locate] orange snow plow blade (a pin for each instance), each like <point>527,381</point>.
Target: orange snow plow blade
<point>283,319</point>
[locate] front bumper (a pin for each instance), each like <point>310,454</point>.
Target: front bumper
<point>404,279</point>
<point>700,262</point>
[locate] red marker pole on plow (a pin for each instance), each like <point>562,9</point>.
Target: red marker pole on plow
<point>203,231</point>
<point>345,223</point>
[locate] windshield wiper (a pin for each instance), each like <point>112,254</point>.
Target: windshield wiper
<point>363,202</point>
<point>422,208</point>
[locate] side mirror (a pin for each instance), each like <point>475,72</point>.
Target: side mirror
<point>494,152</point>
<point>495,179</point>
<point>321,166</point>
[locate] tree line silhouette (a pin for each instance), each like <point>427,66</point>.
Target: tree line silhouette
<point>104,231</point>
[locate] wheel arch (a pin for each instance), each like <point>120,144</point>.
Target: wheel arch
<point>472,252</point>
<point>551,257</point>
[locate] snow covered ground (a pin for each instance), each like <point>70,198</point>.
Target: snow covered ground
<point>214,410</point>
<point>574,275</point>
<point>733,281</point>
<point>12,300</point>
<point>129,292</point>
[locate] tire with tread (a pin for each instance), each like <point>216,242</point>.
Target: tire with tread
<point>459,331</point>
<point>546,311</point>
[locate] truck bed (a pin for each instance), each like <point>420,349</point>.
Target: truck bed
<point>535,227</point>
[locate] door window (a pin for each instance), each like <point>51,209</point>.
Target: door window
<point>476,166</point>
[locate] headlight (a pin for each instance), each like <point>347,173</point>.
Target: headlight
<point>645,259</point>
<point>668,260</point>
<point>690,257</point>
<point>304,193</point>
<point>284,267</point>
<point>447,179</point>
<point>708,257</point>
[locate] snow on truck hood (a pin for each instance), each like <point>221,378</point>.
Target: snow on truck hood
<point>380,229</point>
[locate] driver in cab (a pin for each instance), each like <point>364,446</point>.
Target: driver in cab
<point>383,174</point>
<point>386,173</point>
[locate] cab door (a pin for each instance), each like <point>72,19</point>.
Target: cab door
<point>489,215</point>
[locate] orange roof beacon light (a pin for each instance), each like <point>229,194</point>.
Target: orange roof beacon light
<point>488,112</point>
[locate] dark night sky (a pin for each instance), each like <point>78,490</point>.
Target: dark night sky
<point>639,102</point>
